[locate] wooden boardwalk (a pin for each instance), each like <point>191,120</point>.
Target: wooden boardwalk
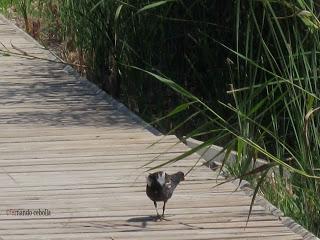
<point>66,149</point>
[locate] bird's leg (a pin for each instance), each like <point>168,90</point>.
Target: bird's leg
<point>163,209</point>
<point>155,205</point>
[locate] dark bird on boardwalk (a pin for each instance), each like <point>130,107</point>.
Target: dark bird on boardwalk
<point>160,187</point>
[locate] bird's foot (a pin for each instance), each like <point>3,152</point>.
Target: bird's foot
<point>158,217</point>
<point>161,218</point>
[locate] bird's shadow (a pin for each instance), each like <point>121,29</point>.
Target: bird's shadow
<point>144,220</point>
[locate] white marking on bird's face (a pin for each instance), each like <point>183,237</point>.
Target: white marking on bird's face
<point>161,178</point>
<point>149,181</point>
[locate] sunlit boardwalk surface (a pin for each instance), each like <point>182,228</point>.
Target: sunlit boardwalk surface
<point>68,151</point>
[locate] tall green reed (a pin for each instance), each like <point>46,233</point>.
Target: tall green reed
<point>161,37</point>
<point>274,85</point>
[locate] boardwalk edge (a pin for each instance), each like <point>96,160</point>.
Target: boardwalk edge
<point>244,185</point>
<point>116,104</point>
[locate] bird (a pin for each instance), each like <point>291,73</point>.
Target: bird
<point>160,187</point>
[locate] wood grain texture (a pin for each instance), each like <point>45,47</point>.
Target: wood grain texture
<point>65,149</point>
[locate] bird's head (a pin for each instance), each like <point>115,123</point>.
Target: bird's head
<point>156,178</point>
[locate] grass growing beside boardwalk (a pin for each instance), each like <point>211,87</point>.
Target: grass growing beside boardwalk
<point>248,71</point>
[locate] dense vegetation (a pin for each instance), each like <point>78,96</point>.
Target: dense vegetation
<point>245,74</point>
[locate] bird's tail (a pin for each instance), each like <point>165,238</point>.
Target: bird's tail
<point>177,178</point>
